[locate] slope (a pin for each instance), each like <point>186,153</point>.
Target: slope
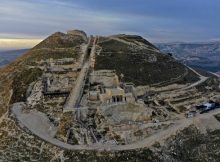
<point>139,61</point>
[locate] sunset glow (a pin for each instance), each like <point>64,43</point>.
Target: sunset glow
<point>18,43</point>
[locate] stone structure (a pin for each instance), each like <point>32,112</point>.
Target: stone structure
<point>107,78</point>
<point>112,95</point>
<point>108,90</point>
<point>79,33</point>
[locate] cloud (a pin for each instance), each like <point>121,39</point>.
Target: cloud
<point>29,17</point>
<point>156,20</point>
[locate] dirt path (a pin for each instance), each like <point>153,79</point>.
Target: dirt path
<point>202,79</point>
<point>80,82</point>
<point>39,124</point>
<point>76,93</point>
<point>217,75</point>
<point>162,135</point>
<point>77,90</point>
<point>35,121</point>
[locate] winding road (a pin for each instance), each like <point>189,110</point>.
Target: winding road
<point>42,128</point>
<point>39,124</point>
<point>202,79</point>
<point>217,75</point>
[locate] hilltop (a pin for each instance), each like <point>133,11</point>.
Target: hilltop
<point>116,98</point>
<point>132,56</point>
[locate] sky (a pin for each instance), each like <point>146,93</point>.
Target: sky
<point>155,20</point>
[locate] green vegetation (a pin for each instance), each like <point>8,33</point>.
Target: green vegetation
<point>65,124</point>
<point>43,54</point>
<point>21,146</point>
<point>61,40</point>
<point>111,46</point>
<point>212,83</point>
<point>140,66</point>
<point>136,64</point>
<point>145,155</point>
<point>191,77</point>
<point>188,145</point>
<point>191,145</point>
<point>135,38</point>
<point>21,82</point>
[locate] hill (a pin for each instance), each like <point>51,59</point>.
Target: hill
<point>62,40</point>
<point>42,81</point>
<point>139,61</point>
<point>18,75</point>
<point>15,80</point>
<point>200,55</point>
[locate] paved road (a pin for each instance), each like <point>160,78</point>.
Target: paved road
<point>38,124</point>
<point>130,43</point>
<point>80,82</point>
<point>77,90</point>
<point>76,93</point>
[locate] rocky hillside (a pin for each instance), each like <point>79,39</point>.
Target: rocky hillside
<point>15,80</point>
<point>140,62</point>
<point>135,60</point>
<point>200,55</point>
<point>17,76</point>
<point>62,40</point>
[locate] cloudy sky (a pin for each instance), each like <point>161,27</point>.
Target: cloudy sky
<point>156,20</point>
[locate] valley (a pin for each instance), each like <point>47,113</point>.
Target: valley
<point>204,56</point>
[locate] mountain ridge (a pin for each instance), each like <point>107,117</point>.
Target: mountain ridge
<point>199,55</point>
<point>43,78</point>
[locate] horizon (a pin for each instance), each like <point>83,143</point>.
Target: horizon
<point>158,22</point>
<point>9,44</point>
<point>15,44</point>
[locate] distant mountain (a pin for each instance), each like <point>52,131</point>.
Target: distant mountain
<point>8,56</point>
<point>200,55</point>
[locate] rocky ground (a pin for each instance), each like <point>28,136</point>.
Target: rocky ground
<point>172,89</point>
<point>187,145</point>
